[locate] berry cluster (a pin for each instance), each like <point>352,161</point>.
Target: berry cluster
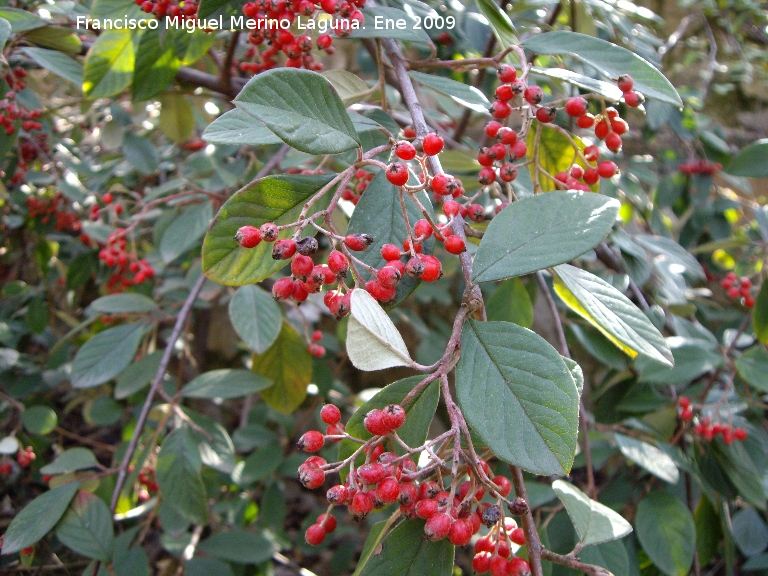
<point>297,49</point>
<point>314,348</point>
<point>46,207</point>
<point>10,112</point>
<point>148,484</point>
<point>129,269</point>
<point>385,478</point>
<point>700,167</point>
<point>25,456</point>
<point>171,8</point>
<point>357,186</point>
<point>738,289</point>
<point>705,428</point>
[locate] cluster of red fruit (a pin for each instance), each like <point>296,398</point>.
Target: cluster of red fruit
<point>10,112</point>
<point>53,206</point>
<point>700,167</point>
<point>171,8</point>
<point>705,428</point>
<point>738,288</point>
<point>297,49</point>
<point>148,484</point>
<point>386,478</point>
<point>25,456</point>
<point>314,348</point>
<point>129,269</point>
<point>358,185</point>
<point>107,199</point>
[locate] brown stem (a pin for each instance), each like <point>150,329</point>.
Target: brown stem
<point>575,563</point>
<point>226,68</point>
<point>532,541</point>
<point>156,383</point>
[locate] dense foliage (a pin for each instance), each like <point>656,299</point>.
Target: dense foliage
<point>497,267</point>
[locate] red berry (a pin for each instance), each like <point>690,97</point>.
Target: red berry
<point>372,473</point>
<point>432,269</point>
<point>282,289</point>
<point>422,229</point>
<point>374,423</point>
<point>591,153</point>
<point>27,551</point>
<point>546,114</point>
<point>518,567</point>
<point>740,434</point>
<point>505,93</point>
<point>397,173</point>
<point>311,476</point>
<point>508,172</point>
<point>749,302</point>
<point>684,402</point>
<point>504,485</point>
<point>432,144</point>
<point>394,416</point>
<point>330,414</point>
<point>517,536</point>
<point>507,73</point>
<point>585,121</point>
<point>443,184</point>
<point>338,263</point>
<point>454,245</point>
<point>301,266</point>
<point>476,213</point>
<point>625,83</point>
<point>327,521</point>
<point>507,136</point>
<point>405,150</point>
<point>388,276</point>
<point>518,150</point>
<point>269,232</point>
<point>486,176</point>
<point>602,129</point>
<point>324,41</point>
<point>533,95</point>
<point>311,441</point>
<point>361,504</point>
<point>315,535</point>
<point>388,490</point>
<point>337,494</point>
<point>613,142</point>
<point>492,128</point>
<point>619,126</point>
<point>283,249</point>
<point>633,99</point>
<point>438,526</point>
<point>481,563</point>
<point>451,208</point>
<point>358,242</point>
<point>316,337</point>
<point>498,565</point>
<point>107,198</point>
<point>426,508</point>
<point>576,106</point>
<point>607,169</point>
<point>733,292</point>
<point>248,236</point>
<point>500,109</point>
<point>461,532</point>
<point>409,132</point>
<point>390,252</point>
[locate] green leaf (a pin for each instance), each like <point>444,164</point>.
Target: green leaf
<point>510,302</point>
<point>214,8</point>
<point>216,448</point>
<point>750,532</point>
<point>39,420</point>
<point>406,552</point>
<point>379,212</point>
<point>260,464</point>
<point>671,251</point>
<point>612,313</point>
<point>419,411</point>
<point>140,152</point>
<point>289,366</point>
<point>56,38</point>
<point>21,20</point>
<point>609,59</point>
<point>177,119</point>
<point>385,29</point>
<point>58,63</point>
<point>500,23</point>
<point>607,89</point>
<point>38,517</point>
<point>178,475</point>
<point>237,127</point>
<point>373,342</point>
<point>665,529</point>
<point>225,384</point>
<point>556,154</point>
<point>350,88</point>
<point>375,535</point>
<point>302,108</point>
<point>255,317</point>
<point>87,527</point>
<point>649,457</point>
<point>692,359</point>
<point>276,199</point>
<point>202,566</point>
<point>708,530</point>
<point>9,445</point>
<point>750,161</point>
<point>752,366</point>
<point>463,94</point>
<point>519,396</point>
<point>610,555</point>
<point>185,231</point>
<point>105,355</point>
<point>156,66</point>
<point>127,303</point>
<point>539,231</point>
<point>760,314</point>
<point>5,32</point>
<point>594,522</point>
<point>238,546</point>
<point>138,375</point>
<point>71,460</point>
<point>109,64</point>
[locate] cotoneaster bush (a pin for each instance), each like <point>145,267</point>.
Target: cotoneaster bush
<point>484,296</point>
